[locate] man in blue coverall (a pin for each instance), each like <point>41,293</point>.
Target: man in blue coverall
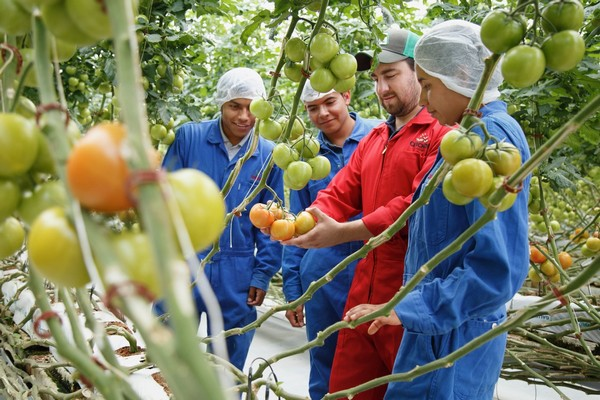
<point>241,271</point>
<point>339,134</point>
<point>464,296</point>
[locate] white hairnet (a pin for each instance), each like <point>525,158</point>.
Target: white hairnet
<point>309,94</point>
<point>453,52</point>
<point>239,83</point>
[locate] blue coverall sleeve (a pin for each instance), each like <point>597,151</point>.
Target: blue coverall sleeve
<point>268,252</point>
<point>292,255</point>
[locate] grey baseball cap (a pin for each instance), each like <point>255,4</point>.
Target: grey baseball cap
<point>399,44</point>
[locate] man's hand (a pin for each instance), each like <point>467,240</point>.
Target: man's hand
<point>326,233</point>
<point>296,316</point>
<point>256,296</point>
<point>363,309</point>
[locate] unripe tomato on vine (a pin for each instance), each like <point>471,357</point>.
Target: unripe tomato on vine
<point>501,31</point>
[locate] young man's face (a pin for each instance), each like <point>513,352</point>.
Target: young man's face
<point>442,103</point>
<point>396,87</point>
<point>330,112</point>
<point>236,119</point>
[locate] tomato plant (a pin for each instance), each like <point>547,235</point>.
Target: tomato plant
<point>295,48</point>
<point>12,236</point>
<point>260,216</point>
<point>304,222</point>
<point>323,47</point>
<point>343,66</point>
<point>54,249</point>
<point>560,15</point>
<point>472,177</point>
<point>322,80</point>
<point>261,108</point>
<point>97,172</point>
<point>201,205</point>
<point>501,31</point>
<point>18,144</point>
<point>563,50</point>
<point>504,158</point>
<point>451,194</point>
<point>457,145</point>
<point>523,65</point>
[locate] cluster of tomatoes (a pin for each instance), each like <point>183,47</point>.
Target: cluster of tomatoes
<point>282,224</point>
<point>544,268</point>
<point>298,156</point>
<point>329,69</point>
<point>561,49</point>
<point>473,177</point>
<point>590,244</point>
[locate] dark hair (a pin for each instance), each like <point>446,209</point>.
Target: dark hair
<point>411,63</point>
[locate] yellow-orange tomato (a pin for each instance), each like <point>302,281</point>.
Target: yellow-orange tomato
<point>96,169</point>
<point>548,268</point>
<point>535,255</point>
<point>260,216</point>
<point>304,222</point>
<point>565,260</point>
<point>282,229</point>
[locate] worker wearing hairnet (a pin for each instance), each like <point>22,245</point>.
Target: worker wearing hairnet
<point>464,296</point>
<point>247,260</point>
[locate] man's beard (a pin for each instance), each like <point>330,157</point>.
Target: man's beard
<point>403,105</point>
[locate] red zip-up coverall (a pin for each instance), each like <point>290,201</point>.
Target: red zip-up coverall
<point>379,180</point>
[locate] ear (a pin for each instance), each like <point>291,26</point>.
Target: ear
<point>346,96</point>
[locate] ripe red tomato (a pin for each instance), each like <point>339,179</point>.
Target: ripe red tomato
<point>297,174</point>
<point>504,158</point>
<point>323,48</point>
<point>12,236</point>
<point>10,197</point>
<point>500,31</point>
<point>321,167</point>
<point>343,66</point>
<point>322,80</point>
<point>560,15</point>
<point>472,177</point>
<point>269,129</point>
<point>282,229</point>
<point>295,48</point>
<point>201,205</point>
<point>451,194</point>
<point>457,145</point>
<point>523,65</point>
<point>563,50</point>
<point>96,169</point>
<point>261,108</point>
<point>260,216</point>
<point>54,249</point>
<point>19,144</point>
<point>304,222</point>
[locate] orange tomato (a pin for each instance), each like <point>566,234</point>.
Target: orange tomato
<point>535,255</point>
<point>283,229</point>
<point>565,259</point>
<point>260,216</point>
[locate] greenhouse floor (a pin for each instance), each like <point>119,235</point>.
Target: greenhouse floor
<point>276,335</point>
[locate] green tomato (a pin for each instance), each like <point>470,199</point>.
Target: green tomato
<point>158,131</point>
<point>46,195</point>
<point>504,158</point>
<point>307,147</point>
<point>323,47</point>
<point>457,145</point>
<point>563,50</point>
<point>451,194</point>
<point>293,71</point>
<point>201,205</point>
<point>297,174</point>
<point>44,162</point>
<point>500,31</point>
<point>523,65</point>
<point>343,66</point>
<point>54,249</point>
<point>12,236</point>
<point>13,19</point>
<point>90,16</point>
<point>322,80</point>
<point>269,129</point>
<point>283,155</point>
<point>10,197</point>
<point>295,49</point>
<point>19,144</point>
<point>321,167</point>
<point>60,24</point>
<point>344,85</point>
<point>261,108</point>
<point>507,201</point>
<point>560,15</point>
<point>472,177</point>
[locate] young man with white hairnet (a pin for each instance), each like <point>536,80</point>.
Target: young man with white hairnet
<point>339,134</point>
<point>247,260</point>
<point>378,181</point>
<point>465,295</point>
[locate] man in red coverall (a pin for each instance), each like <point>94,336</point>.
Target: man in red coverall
<point>378,181</point>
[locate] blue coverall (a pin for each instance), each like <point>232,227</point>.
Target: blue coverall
<point>247,257</point>
<point>465,295</point>
<point>300,267</point>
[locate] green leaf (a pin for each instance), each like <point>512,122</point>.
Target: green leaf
<point>262,16</point>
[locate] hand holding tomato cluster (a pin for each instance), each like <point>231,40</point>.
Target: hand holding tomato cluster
<point>523,65</point>
<point>473,177</point>
<point>329,69</point>
<point>299,156</point>
<point>280,223</point>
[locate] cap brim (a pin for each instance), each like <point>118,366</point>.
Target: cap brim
<point>388,57</point>
<point>364,59</point>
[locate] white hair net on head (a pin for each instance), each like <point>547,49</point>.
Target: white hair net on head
<point>239,83</point>
<point>309,94</point>
<point>453,52</point>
